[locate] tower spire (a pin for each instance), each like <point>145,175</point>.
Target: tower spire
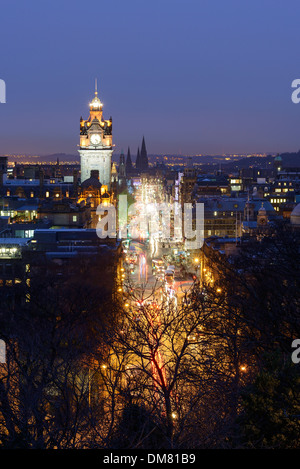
<point>144,157</point>
<point>128,162</point>
<point>138,160</point>
<point>96,90</point>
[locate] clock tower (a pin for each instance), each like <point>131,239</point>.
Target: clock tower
<point>96,143</point>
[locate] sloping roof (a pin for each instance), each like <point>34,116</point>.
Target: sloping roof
<point>295,215</point>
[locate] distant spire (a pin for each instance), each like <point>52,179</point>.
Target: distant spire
<point>144,157</point>
<point>138,159</point>
<point>143,149</point>
<point>128,162</point>
<point>96,90</point>
<point>122,158</point>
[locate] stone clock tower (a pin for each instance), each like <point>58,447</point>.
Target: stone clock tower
<point>96,144</point>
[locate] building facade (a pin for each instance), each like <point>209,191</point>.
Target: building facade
<point>96,144</point>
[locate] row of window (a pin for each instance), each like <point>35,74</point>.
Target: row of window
<point>277,201</point>
<point>47,194</point>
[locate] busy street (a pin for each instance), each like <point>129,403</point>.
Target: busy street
<point>157,269</point>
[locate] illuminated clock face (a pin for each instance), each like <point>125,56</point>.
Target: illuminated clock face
<point>95,139</point>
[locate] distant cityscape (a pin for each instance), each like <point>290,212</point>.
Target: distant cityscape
<point>111,339</point>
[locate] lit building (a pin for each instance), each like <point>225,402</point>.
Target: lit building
<point>96,144</point>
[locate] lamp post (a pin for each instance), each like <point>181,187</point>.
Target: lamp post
<point>196,263</point>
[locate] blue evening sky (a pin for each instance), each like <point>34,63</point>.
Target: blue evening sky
<point>192,76</point>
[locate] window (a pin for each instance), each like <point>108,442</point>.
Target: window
<point>74,218</point>
<point>28,233</point>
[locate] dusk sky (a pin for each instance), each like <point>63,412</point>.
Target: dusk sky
<point>192,76</point>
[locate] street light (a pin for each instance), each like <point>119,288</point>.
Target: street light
<point>196,262</point>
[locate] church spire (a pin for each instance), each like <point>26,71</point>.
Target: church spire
<point>128,162</point>
<point>143,149</point>
<point>138,159</point>
<point>122,157</point>
<point>144,157</point>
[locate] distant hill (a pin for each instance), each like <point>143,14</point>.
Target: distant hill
<point>227,162</point>
<point>250,161</point>
<point>35,159</point>
<point>291,160</point>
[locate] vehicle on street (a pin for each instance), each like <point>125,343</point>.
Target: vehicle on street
<point>157,265</point>
<point>169,277</point>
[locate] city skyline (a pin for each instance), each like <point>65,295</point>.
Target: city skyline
<point>192,78</point>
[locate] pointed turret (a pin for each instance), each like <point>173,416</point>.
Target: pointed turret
<point>122,168</point>
<point>144,157</point>
<point>122,157</point>
<point>138,160</point>
<point>129,166</point>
